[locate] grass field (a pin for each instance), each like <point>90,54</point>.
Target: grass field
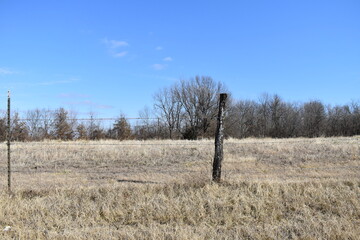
<point>161,189</point>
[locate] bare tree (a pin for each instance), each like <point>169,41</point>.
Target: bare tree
<point>146,127</point>
<point>168,107</point>
<point>47,117</point>
<point>314,117</point>
<point>34,123</point>
<point>3,127</point>
<point>355,110</point>
<point>198,98</point>
<point>339,121</point>
<point>263,115</point>
<point>19,130</point>
<point>278,112</point>
<point>241,120</point>
<point>291,120</point>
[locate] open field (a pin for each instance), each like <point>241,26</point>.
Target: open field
<point>161,189</point>
<point>57,164</point>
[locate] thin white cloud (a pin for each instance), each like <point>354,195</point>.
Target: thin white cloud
<point>5,71</point>
<point>113,47</point>
<point>168,59</point>
<point>119,54</point>
<point>158,66</point>
<point>115,43</point>
<point>159,48</point>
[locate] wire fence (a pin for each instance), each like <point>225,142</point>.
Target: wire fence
<point>125,149</point>
<point>147,159</point>
<point>48,164</point>
<point>190,143</point>
<point>181,170</point>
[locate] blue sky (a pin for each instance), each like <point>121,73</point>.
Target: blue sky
<point>112,56</point>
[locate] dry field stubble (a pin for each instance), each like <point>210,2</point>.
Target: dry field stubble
<point>273,189</point>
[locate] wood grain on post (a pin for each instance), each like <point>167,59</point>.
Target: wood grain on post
<point>219,139</point>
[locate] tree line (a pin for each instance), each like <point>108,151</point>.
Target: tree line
<point>270,116</point>
<point>61,124</point>
<point>188,110</point>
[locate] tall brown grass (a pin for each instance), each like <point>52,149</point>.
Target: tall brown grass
<point>272,189</point>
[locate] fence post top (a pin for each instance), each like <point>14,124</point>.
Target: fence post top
<point>223,96</point>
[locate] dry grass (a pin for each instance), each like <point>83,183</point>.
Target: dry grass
<point>272,189</point>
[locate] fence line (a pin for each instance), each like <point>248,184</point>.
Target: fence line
<point>100,119</point>
<point>90,119</point>
<point>58,170</point>
<point>143,143</point>
<point>219,144</point>
<point>108,144</point>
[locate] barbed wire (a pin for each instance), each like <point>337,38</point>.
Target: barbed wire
<point>190,143</point>
<point>100,119</point>
<point>71,170</point>
<point>89,119</point>
<point>111,144</point>
<point>156,167</point>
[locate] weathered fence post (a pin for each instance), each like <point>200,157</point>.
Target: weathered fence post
<point>219,139</point>
<point>8,138</point>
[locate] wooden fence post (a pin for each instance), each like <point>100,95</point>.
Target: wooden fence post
<point>8,138</point>
<point>219,139</point>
